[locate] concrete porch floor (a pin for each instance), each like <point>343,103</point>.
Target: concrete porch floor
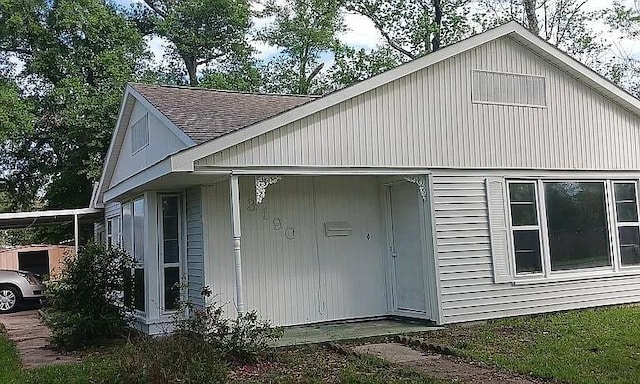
<point>320,333</point>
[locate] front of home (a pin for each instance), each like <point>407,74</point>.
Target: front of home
<point>495,177</point>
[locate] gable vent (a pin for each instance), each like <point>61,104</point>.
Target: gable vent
<point>504,88</point>
<point>140,134</point>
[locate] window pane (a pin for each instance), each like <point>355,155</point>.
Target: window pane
<point>171,288</point>
<point>138,289</point>
<point>127,229</point>
<point>527,247</point>
<point>577,225</point>
<point>627,212</point>
<point>170,229</point>
<point>625,191</point>
<point>626,208</point>
<point>138,230</point>
<point>524,214</point>
<point>629,245</point>
<point>522,192</point>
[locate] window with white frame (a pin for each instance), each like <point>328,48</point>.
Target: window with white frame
<point>109,233</point>
<point>626,206</point>
<point>133,236</point>
<point>525,227</point>
<point>170,250</point>
<point>561,226</point>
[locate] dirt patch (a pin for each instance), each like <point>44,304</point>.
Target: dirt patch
<point>442,367</point>
<point>31,337</point>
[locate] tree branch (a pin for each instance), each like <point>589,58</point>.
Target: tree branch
<point>155,8</point>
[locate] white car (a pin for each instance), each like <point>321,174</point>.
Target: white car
<point>17,287</point>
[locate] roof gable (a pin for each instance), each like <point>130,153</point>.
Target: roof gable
<point>184,161</point>
<point>205,114</point>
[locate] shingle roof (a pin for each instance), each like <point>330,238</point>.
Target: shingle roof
<point>205,114</point>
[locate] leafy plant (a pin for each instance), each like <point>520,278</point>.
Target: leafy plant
<point>244,338</point>
<point>86,303</point>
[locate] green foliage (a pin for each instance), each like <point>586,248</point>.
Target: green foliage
<point>244,338</point>
<point>305,31</point>
<point>85,303</point>
<point>201,32</point>
<point>415,28</point>
<point>354,65</point>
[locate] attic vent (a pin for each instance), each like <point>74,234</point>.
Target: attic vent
<point>504,88</point>
<point>140,134</point>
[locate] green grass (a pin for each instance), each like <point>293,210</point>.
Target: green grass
<point>589,346</point>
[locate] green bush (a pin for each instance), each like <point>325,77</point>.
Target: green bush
<point>244,338</point>
<point>85,305</point>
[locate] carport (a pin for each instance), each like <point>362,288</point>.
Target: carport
<point>15,220</point>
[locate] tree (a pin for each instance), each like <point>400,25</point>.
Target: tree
<point>304,31</point>
<point>77,55</point>
<point>354,65</point>
<point>415,28</point>
<point>200,32</point>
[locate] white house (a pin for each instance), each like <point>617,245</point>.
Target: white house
<point>494,177</point>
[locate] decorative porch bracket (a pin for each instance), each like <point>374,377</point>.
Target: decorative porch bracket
<point>421,182</point>
<point>262,182</point>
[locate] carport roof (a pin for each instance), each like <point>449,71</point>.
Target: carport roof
<point>13,220</point>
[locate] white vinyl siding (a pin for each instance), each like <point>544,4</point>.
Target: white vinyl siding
<point>427,120</point>
<point>293,273</point>
<point>145,142</point>
<point>468,290</point>
<point>195,246</point>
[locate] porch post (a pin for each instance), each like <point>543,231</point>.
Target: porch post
<point>76,231</point>
<point>235,220</point>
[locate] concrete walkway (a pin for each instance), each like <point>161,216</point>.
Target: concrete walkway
<point>447,368</point>
<point>31,337</point>
<point>320,333</point>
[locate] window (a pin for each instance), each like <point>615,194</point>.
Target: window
<point>133,236</point>
<point>525,227</point>
<point>626,206</point>
<point>577,225</point>
<point>140,134</point>
<point>109,233</point>
<point>562,226</point>
<point>504,88</point>
<point>170,250</point>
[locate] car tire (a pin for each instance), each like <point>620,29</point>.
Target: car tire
<point>10,298</point>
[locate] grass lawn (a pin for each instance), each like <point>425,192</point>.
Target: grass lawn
<point>588,346</point>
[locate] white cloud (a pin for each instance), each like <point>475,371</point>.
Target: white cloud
<point>361,33</point>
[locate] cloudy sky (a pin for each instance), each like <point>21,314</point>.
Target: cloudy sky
<point>362,34</point>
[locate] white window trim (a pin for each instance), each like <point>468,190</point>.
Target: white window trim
<point>548,276</point>
<point>513,228</point>
<point>181,249</point>
<point>138,313</point>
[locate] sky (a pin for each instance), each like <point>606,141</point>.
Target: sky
<point>361,33</point>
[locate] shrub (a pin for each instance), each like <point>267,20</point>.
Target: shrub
<point>244,338</point>
<point>85,304</point>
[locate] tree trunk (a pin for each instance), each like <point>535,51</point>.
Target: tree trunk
<point>192,70</point>
<point>437,20</point>
<point>532,18</point>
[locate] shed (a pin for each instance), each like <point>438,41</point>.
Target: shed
<point>41,259</point>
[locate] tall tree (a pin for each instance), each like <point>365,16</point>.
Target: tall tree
<point>306,32</point>
<point>200,32</point>
<point>414,28</point>
<point>77,55</point>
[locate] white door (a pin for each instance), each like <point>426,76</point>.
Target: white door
<point>406,248</point>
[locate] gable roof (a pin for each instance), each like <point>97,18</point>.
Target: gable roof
<point>205,114</point>
<point>183,160</point>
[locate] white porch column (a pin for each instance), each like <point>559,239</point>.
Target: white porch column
<point>235,220</point>
<point>76,232</point>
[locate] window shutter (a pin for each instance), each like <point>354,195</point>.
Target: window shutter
<point>498,228</point>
